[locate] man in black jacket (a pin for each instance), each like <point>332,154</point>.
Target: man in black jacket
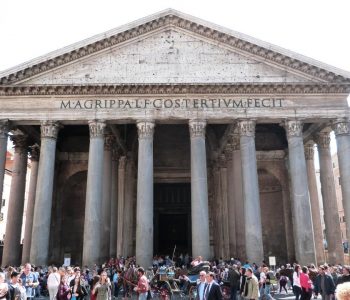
<point>212,290</point>
<point>324,285</point>
<point>233,278</point>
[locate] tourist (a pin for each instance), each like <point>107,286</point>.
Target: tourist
<point>102,289</point>
<point>251,287</point>
<point>242,281</point>
<point>345,277</point>
<point>324,284</point>
<point>233,278</point>
<point>343,291</point>
<point>3,287</point>
<point>53,281</point>
<point>64,292</point>
<point>283,283</point>
<point>306,284</point>
<point>14,289</point>
<point>78,291</point>
<point>198,260</point>
<point>296,282</point>
<point>95,280</point>
<point>29,280</point>
<point>142,285</point>
<point>267,283</point>
<point>212,290</point>
<point>201,285</point>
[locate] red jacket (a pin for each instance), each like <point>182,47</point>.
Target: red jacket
<point>305,281</point>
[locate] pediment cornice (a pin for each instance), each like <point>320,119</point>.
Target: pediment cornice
<point>190,25</point>
<point>175,89</point>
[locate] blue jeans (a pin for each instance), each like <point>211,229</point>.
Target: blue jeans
<point>143,296</point>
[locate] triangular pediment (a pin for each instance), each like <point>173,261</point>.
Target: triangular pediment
<point>169,56</point>
<point>171,47</point>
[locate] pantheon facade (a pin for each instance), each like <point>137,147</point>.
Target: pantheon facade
<point>172,133</point>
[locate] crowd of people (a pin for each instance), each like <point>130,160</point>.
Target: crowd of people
<point>124,278</point>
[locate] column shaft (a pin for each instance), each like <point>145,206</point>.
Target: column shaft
<point>144,210</point>
<point>199,191</point>
<point>237,186</point>
<point>329,197</point>
<point>11,252</point>
<point>303,230</point>
<point>114,205</point>
<point>252,212</point>
<point>30,203</point>
<point>231,209</point>
<point>39,249</point>
<point>121,195</point>
<point>93,208</point>
<point>342,132</point>
<point>315,205</point>
<point>106,197</point>
<point>218,224</point>
<point>3,150</point>
<point>128,209</point>
<point>224,211</point>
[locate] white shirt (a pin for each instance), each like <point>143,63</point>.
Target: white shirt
<point>296,279</point>
<point>53,280</point>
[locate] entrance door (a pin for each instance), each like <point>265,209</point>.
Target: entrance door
<point>172,218</point>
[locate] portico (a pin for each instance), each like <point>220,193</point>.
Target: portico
<point>209,131</point>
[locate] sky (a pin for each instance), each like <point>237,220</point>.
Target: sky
<point>318,29</point>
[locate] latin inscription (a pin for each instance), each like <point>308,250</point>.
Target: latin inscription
<point>180,103</point>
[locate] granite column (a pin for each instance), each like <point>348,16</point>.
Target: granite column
<point>199,190</point>
<point>252,211</point>
<point>315,205</point>
<point>94,193</point>
<point>11,252</point>
<point>106,196</point>
<point>121,196</point>
<point>4,129</point>
<point>34,157</point>
<point>39,249</point>
<point>303,229</point>
<point>342,132</point>
<point>329,198</point>
<point>144,209</point>
<point>114,204</point>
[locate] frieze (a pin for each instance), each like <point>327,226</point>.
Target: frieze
<point>177,89</point>
<point>277,155</point>
<point>187,25</point>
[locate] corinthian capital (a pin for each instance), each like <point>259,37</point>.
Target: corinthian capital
<point>97,128</point>
<point>4,128</point>
<point>122,162</point>
<point>49,129</point>
<point>246,127</point>
<point>341,127</point>
<point>294,128</point>
<point>109,142</point>
<point>20,141</point>
<point>323,140</point>
<point>309,151</point>
<point>197,128</point>
<point>145,129</point>
<point>34,152</point>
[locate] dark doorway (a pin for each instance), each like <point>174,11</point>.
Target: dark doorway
<point>172,218</point>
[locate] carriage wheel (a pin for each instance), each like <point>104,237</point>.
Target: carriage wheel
<point>192,294</point>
